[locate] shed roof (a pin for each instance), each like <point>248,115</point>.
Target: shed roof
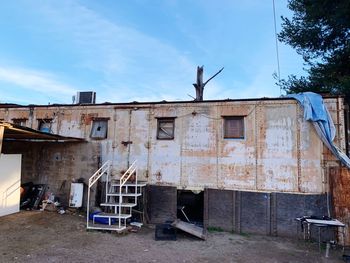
<point>14,132</point>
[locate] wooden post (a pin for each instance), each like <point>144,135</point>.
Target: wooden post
<point>206,211</point>
<point>2,129</point>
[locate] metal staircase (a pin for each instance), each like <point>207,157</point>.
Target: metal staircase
<point>120,197</point>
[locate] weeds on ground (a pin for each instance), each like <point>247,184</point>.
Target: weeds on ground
<point>244,234</point>
<point>212,229</point>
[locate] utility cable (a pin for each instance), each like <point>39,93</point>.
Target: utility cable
<point>276,40</point>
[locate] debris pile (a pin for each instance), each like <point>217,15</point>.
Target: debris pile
<point>36,197</point>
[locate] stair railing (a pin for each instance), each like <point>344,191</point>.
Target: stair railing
<point>125,177</point>
<point>104,169</point>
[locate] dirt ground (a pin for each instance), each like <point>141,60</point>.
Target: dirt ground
<point>31,236</point>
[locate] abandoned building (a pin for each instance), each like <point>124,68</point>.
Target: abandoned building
<point>247,165</point>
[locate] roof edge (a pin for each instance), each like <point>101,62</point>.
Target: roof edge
<point>136,103</point>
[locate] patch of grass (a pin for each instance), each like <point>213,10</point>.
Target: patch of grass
<point>214,229</point>
<point>244,234</point>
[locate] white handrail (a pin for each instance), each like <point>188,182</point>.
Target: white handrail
<point>92,180</point>
<point>125,177</point>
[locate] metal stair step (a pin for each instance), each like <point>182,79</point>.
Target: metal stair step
<point>139,184</point>
<point>117,204</point>
<point>124,194</point>
<point>112,215</point>
<point>106,227</point>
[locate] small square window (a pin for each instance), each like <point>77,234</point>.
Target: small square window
<point>99,129</point>
<point>234,127</point>
<point>165,130</point>
<point>20,122</point>
<point>45,125</point>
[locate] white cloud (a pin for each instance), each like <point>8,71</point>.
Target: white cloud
<point>127,64</point>
<point>35,80</point>
<point>124,57</point>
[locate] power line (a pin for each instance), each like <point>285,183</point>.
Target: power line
<point>276,39</point>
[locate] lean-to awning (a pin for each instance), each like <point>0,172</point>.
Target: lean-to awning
<point>12,132</point>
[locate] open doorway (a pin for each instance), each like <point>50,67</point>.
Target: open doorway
<point>190,206</point>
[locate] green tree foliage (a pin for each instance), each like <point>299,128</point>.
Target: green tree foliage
<point>319,31</point>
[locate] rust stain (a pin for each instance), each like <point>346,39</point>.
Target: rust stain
<point>266,159</point>
<point>87,118</point>
<point>340,190</point>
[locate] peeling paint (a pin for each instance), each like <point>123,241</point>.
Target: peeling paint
<point>269,158</point>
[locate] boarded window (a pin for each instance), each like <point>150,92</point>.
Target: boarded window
<point>45,125</point>
<point>234,127</point>
<point>165,129</point>
<point>99,129</point>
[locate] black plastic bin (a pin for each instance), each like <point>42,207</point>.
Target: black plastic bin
<point>165,232</point>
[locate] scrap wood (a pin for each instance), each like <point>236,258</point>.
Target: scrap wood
<point>190,228</point>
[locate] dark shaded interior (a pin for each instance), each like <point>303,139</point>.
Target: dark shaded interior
<point>192,204</point>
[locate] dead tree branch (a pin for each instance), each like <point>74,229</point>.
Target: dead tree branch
<point>199,86</point>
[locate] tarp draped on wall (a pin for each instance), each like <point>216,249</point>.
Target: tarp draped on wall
<point>316,112</point>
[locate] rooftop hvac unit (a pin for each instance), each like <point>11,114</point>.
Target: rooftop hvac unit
<point>86,97</point>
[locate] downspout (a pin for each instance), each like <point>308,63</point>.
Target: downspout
<point>129,137</point>
<point>114,142</point>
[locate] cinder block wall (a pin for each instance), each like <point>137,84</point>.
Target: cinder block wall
<point>57,164</point>
<point>241,211</point>
<point>261,213</point>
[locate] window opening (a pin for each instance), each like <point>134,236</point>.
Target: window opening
<point>20,121</point>
<point>45,125</point>
<point>166,127</point>
<point>234,127</point>
<point>99,129</point>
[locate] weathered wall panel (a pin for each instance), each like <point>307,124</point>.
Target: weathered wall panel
<point>280,151</point>
<point>161,203</point>
<point>278,162</point>
<point>199,150</point>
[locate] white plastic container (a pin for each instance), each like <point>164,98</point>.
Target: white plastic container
<point>76,195</point>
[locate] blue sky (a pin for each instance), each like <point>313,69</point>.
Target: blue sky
<point>139,50</point>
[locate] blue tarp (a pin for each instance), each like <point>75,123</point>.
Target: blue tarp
<point>316,112</point>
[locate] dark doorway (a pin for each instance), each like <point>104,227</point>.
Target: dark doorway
<point>190,206</point>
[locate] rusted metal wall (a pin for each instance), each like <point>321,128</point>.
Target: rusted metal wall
<point>340,191</point>
<point>280,151</point>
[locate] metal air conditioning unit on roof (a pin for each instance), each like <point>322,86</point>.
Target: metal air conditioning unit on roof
<point>86,97</point>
